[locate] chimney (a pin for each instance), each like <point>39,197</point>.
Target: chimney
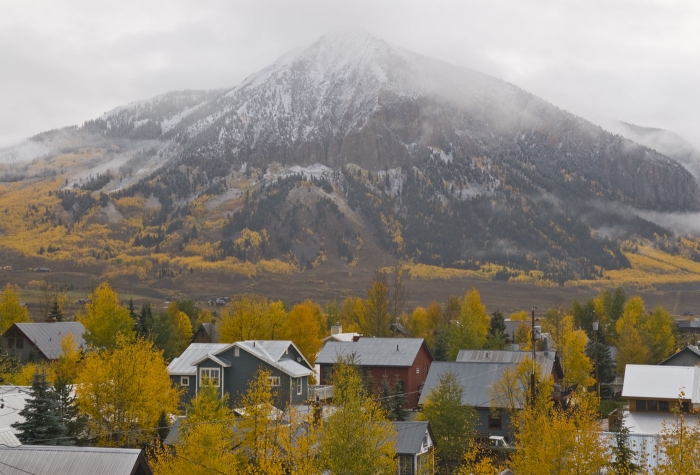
<point>356,337</point>
<point>545,346</point>
<point>336,329</point>
<point>397,347</point>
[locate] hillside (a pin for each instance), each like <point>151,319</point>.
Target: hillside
<point>347,156</point>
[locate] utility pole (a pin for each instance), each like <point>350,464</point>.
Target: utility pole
<point>532,376</point>
<point>595,352</point>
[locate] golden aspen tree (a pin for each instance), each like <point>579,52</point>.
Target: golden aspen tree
<point>275,317</point>
<point>11,311</point>
<point>512,391</point>
<point>302,327</point>
<point>479,461</point>
<point>471,330</point>
<point>123,390</point>
<point>376,317</point>
<point>418,324</point>
<point>67,364</point>
<point>350,314</point>
<point>357,437</point>
<point>576,365</point>
<point>259,426</point>
<point>679,443</point>
<point>244,319</point>
<point>660,332</point>
<point>104,319</point>
<point>556,441</point>
<point>206,439</point>
<point>299,442</point>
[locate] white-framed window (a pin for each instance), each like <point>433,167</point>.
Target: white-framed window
<point>417,370</point>
<point>299,386</point>
<point>184,380</point>
<point>274,380</point>
<point>211,374</point>
<point>236,351</point>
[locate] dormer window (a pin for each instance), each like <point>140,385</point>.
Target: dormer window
<point>236,351</point>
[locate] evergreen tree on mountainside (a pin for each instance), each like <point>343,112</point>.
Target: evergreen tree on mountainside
<point>42,423</point>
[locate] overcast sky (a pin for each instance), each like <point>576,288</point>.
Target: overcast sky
<point>62,63</point>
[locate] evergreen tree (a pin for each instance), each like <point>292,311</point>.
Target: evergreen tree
<point>68,412</point>
<point>56,313</point>
<point>496,337</point>
<point>144,325</point>
<point>606,365</point>
<point>42,423</point>
<point>132,309</point>
<point>163,426</point>
<point>398,401</point>
<point>440,346</point>
<point>623,455</point>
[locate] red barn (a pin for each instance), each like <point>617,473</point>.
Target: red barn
<point>407,359</point>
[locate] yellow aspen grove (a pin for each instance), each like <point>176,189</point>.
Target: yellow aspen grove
<point>11,311</point>
<point>576,365</point>
<point>123,390</point>
<point>376,317</point>
<point>680,445</point>
<point>244,319</point>
<point>104,319</point>
<point>67,364</point>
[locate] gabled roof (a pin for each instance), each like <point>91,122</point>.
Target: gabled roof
<point>341,337</point>
<point>47,336</point>
<point>8,438</point>
<point>212,331</point>
<point>185,363</point>
<point>693,350</point>
<point>50,460</point>
<point>374,351</point>
<point>269,351</point>
<point>662,382</point>
<point>476,380</point>
<point>409,439</point>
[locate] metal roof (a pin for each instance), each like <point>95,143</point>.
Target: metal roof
<point>212,331</point>
<point>174,433</point>
<point>662,382</point>
<point>8,438</point>
<point>14,398</point>
<point>373,351</point>
<point>48,460</point>
<point>47,336</point>
<point>409,438</point>
<point>269,351</point>
<point>475,378</point>
<point>184,364</point>
<point>341,337</point>
<point>546,362</point>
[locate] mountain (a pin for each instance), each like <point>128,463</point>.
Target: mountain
<point>350,140</point>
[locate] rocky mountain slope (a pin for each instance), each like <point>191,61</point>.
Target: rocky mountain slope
<point>443,165</point>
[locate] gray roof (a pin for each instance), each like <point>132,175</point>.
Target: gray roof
<point>409,439</point>
<point>212,331</point>
<point>270,351</point>
<point>174,433</point>
<point>184,364</point>
<point>688,349</point>
<point>475,378</point>
<point>49,460</point>
<point>373,351</point>
<point>47,336</point>
<point>14,398</point>
<point>8,438</point>
<point>546,362</point>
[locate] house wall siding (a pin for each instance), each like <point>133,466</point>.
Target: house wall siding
<point>684,358</point>
<point>482,423</point>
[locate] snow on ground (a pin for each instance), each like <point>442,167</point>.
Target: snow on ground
<point>24,151</point>
<point>312,171</point>
<point>168,124</point>
<point>395,179</point>
<point>445,157</point>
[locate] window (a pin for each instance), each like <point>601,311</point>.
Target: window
<point>236,351</point>
<point>425,441</point>
<point>417,370</point>
<point>274,380</point>
<point>495,422</point>
<point>212,375</point>
<point>685,406</point>
<point>641,405</point>
<point>651,406</point>
<point>299,386</point>
<point>184,381</point>
<point>663,406</point>
<point>405,465</point>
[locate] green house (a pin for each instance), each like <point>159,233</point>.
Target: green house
<point>231,366</point>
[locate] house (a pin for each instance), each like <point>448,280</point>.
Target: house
<point>657,390</point>
<point>30,341</point>
<point>206,333</point>
<point>62,460</point>
<point>338,335</point>
<point>405,359</point>
<point>688,356</point>
<point>231,367</point>
<point>689,326</point>
<point>12,401</point>
<point>415,448</point>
